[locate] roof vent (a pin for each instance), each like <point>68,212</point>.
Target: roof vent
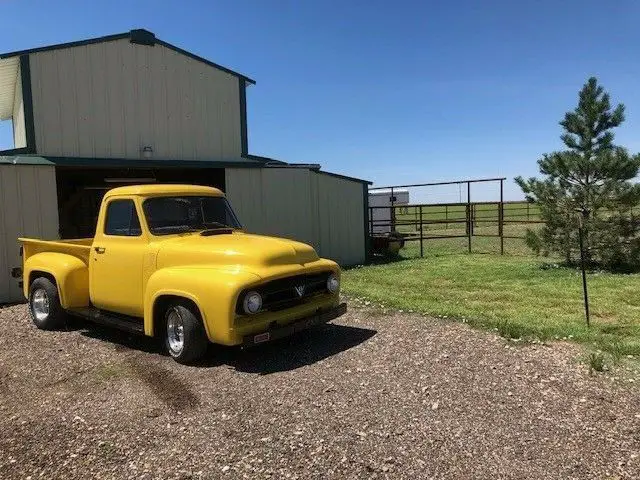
<point>142,37</point>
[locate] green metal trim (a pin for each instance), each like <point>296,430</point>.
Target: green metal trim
<point>58,46</point>
<point>242,87</point>
<point>12,152</point>
<point>143,163</point>
<point>204,60</point>
<point>139,35</point>
<point>88,162</point>
<point>27,100</point>
<point>13,157</point>
<point>344,177</point>
<point>262,159</point>
<point>367,236</point>
<point>314,167</point>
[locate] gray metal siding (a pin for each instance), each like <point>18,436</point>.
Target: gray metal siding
<point>323,211</point>
<point>112,99</point>
<point>273,201</point>
<point>340,216</point>
<point>29,208</point>
<point>19,131</point>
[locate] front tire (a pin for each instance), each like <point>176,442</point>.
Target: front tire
<point>44,304</point>
<point>185,337</point>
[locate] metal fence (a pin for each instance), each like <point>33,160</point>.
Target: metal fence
<point>422,222</point>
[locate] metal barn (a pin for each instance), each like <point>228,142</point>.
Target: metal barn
<point>130,108</point>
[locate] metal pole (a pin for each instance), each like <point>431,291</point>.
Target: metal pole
<point>584,275</point>
<point>446,216</point>
<point>421,249</point>
<point>469,219</point>
<point>393,212</point>
<point>501,218</point>
<point>473,218</point>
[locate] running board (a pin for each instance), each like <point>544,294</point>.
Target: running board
<point>109,319</point>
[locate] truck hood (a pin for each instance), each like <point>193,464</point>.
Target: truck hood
<point>253,252</point>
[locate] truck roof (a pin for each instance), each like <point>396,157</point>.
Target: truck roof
<point>161,189</point>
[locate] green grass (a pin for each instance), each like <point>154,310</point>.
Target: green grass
<point>513,294</point>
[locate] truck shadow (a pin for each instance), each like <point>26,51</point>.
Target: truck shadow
<point>304,348</point>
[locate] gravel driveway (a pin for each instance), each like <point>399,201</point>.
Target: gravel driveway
<point>369,396</point>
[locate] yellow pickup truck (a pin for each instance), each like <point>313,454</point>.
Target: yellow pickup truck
<point>172,261</point>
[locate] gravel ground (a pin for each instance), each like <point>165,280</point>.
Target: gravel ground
<point>368,396</point>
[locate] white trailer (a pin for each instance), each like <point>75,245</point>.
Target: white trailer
<point>383,202</point>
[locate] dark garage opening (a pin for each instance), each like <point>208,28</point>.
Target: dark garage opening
<point>80,190</point>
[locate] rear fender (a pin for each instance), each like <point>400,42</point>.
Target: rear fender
<point>71,275</point>
<point>213,291</point>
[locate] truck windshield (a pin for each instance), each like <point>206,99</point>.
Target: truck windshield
<point>169,215</point>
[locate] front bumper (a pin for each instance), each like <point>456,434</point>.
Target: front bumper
<point>296,326</point>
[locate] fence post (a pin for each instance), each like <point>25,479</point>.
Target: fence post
<point>501,218</point>
<point>469,219</point>
<point>421,249</point>
<point>446,216</point>
<point>393,212</point>
<point>474,211</point>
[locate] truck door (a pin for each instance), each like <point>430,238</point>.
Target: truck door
<point>116,259</point>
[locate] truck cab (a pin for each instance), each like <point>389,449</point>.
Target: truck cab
<point>173,261</point>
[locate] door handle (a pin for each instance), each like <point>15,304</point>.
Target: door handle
<point>100,249</point>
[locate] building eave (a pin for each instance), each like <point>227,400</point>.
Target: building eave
<point>22,157</point>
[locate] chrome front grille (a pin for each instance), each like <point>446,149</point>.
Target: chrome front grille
<point>288,292</point>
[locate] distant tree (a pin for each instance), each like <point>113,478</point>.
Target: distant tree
<point>591,178</point>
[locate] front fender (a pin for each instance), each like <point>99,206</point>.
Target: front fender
<point>213,291</point>
<point>71,275</point>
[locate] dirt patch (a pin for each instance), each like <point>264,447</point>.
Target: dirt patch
<point>369,396</point>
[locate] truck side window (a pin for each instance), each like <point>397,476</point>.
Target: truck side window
<point>122,219</point>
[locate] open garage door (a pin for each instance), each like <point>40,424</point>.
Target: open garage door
<point>80,190</point>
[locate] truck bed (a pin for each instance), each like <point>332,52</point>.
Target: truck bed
<point>79,248</point>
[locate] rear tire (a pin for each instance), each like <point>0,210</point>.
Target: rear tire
<point>184,336</point>
<point>44,304</point>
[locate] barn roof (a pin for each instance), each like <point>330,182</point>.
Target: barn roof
<point>139,36</point>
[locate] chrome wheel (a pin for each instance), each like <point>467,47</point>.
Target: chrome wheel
<point>175,331</point>
<point>40,304</point>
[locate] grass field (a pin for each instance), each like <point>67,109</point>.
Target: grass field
<point>518,294</point>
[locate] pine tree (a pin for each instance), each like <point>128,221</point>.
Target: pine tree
<point>590,179</point>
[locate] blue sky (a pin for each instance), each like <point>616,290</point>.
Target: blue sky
<point>391,91</point>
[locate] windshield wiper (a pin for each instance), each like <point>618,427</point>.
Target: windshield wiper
<point>218,228</point>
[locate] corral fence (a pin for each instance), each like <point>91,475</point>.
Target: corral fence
<point>421,222</point>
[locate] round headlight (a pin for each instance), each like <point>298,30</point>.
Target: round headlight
<point>333,283</point>
<point>252,302</point>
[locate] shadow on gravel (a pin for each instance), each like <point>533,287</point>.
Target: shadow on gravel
<point>304,348</point>
<point>167,386</point>
<point>121,340</point>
